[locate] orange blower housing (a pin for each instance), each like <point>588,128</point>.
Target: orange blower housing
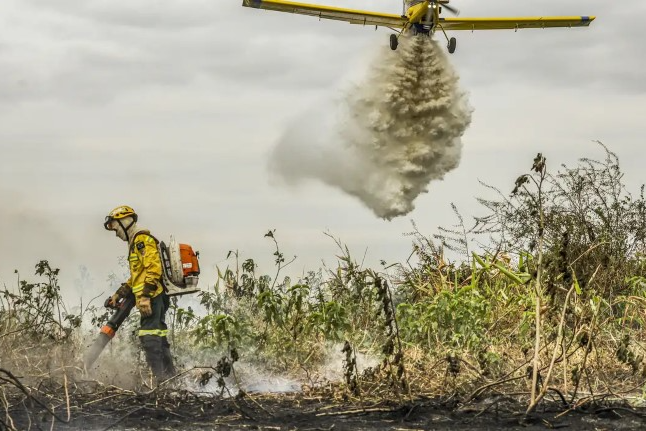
<point>190,264</point>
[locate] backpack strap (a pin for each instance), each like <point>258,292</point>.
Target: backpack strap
<point>134,238</point>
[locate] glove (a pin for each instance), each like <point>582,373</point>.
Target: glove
<point>112,301</point>
<point>144,306</point>
<point>121,292</point>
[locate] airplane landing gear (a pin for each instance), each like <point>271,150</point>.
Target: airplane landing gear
<point>393,42</point>
<point>452,45</point>
<point>452,42</point>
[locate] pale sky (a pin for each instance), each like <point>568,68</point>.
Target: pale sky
<point>172,107</point>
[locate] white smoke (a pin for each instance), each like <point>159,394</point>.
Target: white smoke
<point>332,369</point>
<point>256,376</point>
<point>396,131</point>
<point>121,363</point>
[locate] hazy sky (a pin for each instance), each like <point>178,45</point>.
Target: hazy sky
<point>172,107</point>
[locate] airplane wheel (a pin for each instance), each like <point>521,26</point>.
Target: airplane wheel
<point>452,45</point>
<point>393,42</point>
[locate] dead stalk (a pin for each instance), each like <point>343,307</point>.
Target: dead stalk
<point>558,344</point>
<point>539,166</point>
<point>67,397</point>
<point>537,341</point>
<point>399,341</point>
<point>9,421</point>
<point>585,359</point>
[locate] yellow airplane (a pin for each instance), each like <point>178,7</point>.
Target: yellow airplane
<point>419,17</point>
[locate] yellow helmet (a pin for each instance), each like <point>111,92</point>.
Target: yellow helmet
<point>119,213</point>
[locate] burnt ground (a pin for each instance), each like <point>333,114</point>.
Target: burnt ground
<point>188,411</point>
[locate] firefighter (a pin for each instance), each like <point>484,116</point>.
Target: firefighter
<point>145,284</point>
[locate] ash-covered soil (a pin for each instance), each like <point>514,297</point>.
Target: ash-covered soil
<point>190,411</point>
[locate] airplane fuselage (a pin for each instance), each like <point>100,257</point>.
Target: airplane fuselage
<point>423,18</point>
<point>418,15</point>
<point>417,12</point>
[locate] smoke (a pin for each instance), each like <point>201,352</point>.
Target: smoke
<point>332,369</point>
<point>394,133</point>
<point>249,376</point>
<point>121,363</point>
<point>253,374</point>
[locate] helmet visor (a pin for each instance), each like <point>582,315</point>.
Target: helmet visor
<point>110,223</point>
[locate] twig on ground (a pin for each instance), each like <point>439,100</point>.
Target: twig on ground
<point>14,381</point>
<point>98,400</point>
<point>624,409</point>
<point>5,402</point>
<point>11,332</point>
<point>481,389</point>
<point>6,426</point>
<point>122,418</point>
<point>246,394</point>
<point>358,411</point>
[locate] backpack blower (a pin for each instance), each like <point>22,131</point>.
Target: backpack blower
<point>108,331</point>
<point>180,273</point>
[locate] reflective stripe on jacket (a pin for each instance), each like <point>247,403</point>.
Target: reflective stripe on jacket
<point>145,264</point>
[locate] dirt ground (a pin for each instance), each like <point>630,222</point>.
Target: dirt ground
<point>188,411</point>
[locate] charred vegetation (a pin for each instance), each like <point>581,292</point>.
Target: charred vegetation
<point>535,313</point>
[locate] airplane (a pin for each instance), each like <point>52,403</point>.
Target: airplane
<point>419,17</point>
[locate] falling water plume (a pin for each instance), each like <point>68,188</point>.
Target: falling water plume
<point>397,131</point>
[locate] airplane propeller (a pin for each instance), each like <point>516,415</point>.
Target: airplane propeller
<point>442,4</point>
<point>446,6</point>
<point>453,10</point>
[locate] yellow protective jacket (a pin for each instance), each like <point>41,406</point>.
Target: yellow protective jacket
<point>145,264</point>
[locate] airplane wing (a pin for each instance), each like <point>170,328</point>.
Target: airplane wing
<point>328,12</point>
<point>515,23</point>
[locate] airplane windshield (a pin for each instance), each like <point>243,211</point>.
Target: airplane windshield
<point>410,3</point>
